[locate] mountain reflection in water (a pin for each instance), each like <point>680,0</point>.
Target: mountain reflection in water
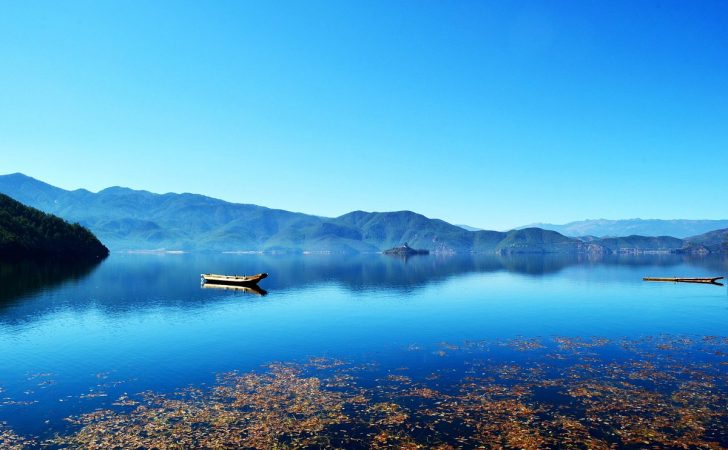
<point>25,277</point>
<point>131,281</point>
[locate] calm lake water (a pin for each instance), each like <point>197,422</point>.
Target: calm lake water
<point>74,340</point>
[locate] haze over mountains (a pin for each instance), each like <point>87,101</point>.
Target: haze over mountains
<point>679,228</point>
<point>127,219</point>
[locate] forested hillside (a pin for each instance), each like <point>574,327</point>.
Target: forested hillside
<point>26,231</point>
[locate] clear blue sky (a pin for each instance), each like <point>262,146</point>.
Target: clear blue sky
<point>490,113</point>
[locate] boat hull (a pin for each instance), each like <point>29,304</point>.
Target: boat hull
<point>713,280</point>
<point>233,280</point>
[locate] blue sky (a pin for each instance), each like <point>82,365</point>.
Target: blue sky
<point>492,114</point>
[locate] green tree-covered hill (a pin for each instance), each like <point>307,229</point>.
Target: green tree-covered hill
<point>28,232</point>
<point>638,244</point>
<point>712,242</point>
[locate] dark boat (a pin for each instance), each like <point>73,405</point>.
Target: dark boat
<point>712,280</point>
<point>233,280</point>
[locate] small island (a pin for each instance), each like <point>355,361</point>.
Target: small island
<point>26,232</point>
<point>405,250</point>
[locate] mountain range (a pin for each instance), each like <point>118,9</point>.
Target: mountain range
<point>679,228</point>
<point>127,219</point>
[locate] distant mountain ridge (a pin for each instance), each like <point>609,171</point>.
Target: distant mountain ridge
<point>468,227</point>
<point>127,219</point>
<point>679,228</point>
<point>711,242</point>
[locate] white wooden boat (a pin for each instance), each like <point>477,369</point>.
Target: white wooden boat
<point>235,280</point>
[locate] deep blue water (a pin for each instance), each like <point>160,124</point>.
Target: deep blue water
<point>143,322</point>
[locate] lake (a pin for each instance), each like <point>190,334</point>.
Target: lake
<point>364,351</point>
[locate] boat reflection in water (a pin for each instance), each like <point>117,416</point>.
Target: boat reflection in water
<point>252,289</point>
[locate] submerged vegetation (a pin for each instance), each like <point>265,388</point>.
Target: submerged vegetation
<point>523,393</point>
<point>28,232</point>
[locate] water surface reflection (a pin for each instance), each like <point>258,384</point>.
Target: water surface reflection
<point>81,340</point>
<point>130,282</point>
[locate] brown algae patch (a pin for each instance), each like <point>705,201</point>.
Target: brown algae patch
<point>11,441</point>
<point>598,394</point>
